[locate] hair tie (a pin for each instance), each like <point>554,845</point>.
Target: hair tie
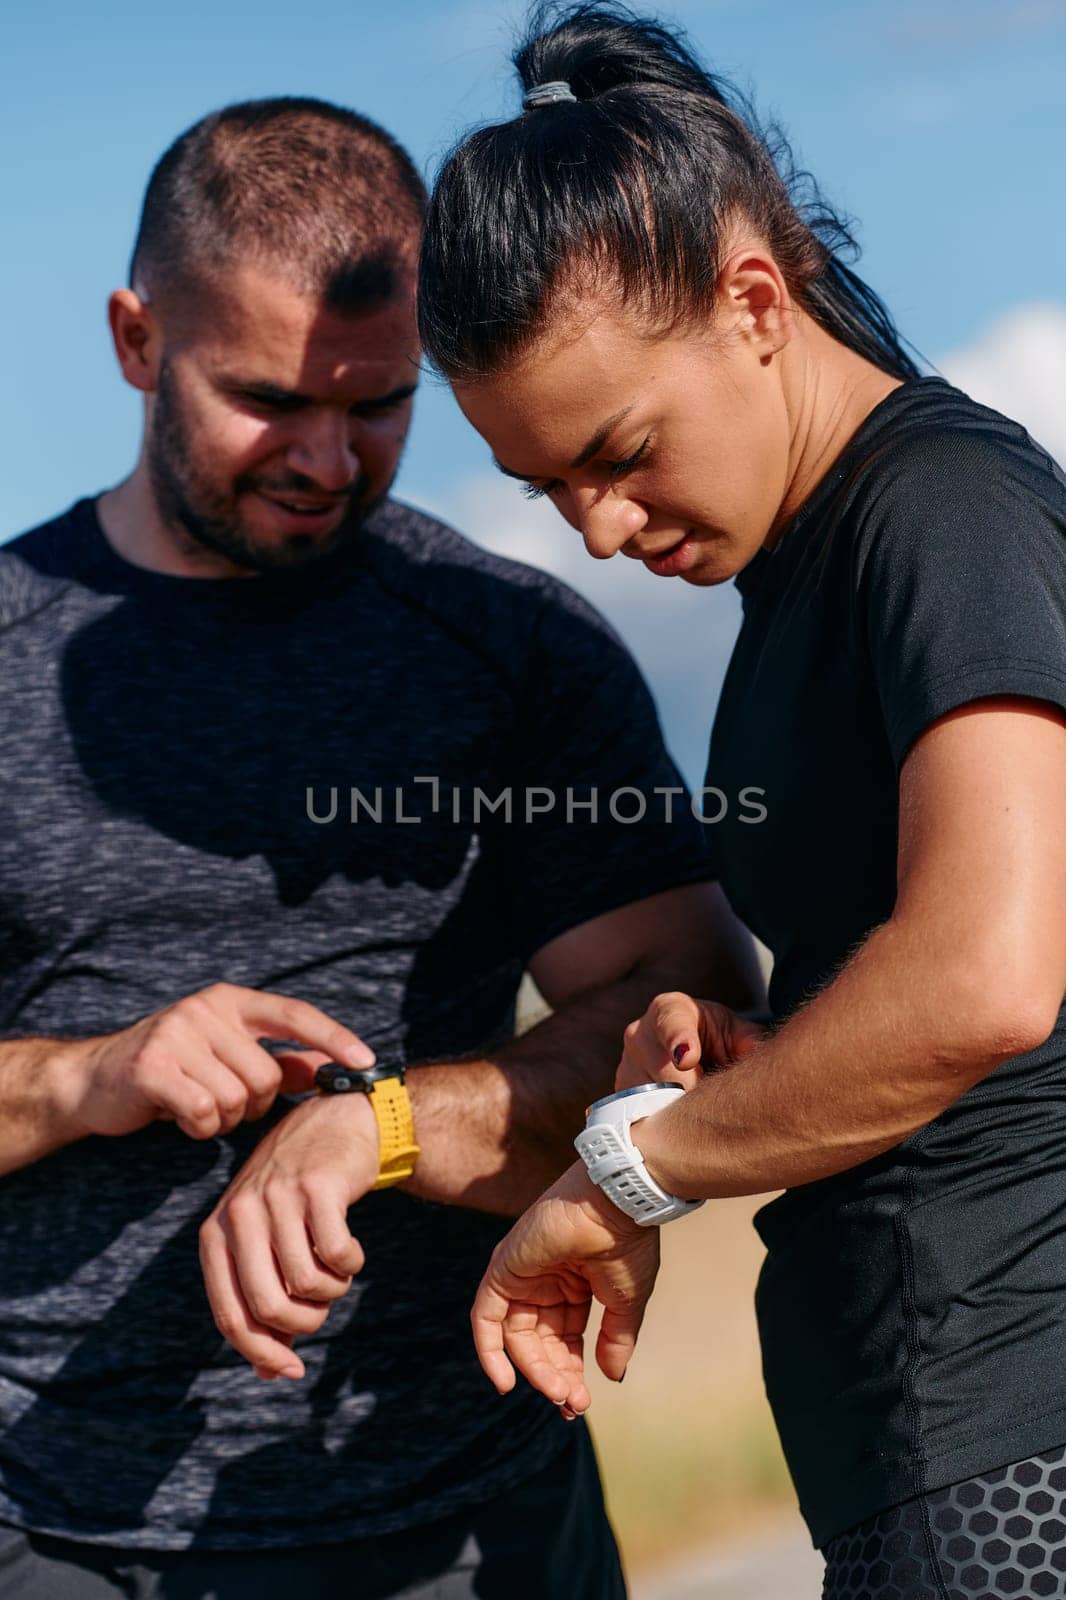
<point>548,94</point>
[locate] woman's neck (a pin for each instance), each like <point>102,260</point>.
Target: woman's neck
<point>829,393</point>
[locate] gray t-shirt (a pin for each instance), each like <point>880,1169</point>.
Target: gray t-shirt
<point>178,759</point>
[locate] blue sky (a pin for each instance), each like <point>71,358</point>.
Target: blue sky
<point>940,126</point>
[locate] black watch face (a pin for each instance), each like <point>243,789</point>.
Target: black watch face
<point>332,1078</point>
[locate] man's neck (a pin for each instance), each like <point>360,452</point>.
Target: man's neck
<point>136,531</point>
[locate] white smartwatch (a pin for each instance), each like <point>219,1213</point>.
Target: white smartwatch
<point>614,1163</point>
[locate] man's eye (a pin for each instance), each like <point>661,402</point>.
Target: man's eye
<point>269,405</point>
<point>537,491</point>
<point>618,469</point>
<point>367,413</point>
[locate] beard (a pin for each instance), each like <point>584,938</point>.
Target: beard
<point>189,500</point>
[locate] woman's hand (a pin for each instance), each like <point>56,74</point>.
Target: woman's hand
<point>571,1247</point>
<point>678,1039</point>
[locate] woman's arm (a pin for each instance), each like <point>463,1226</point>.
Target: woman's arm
<point>969,971</point>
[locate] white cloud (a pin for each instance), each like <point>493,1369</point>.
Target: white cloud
<point>1018,366</point>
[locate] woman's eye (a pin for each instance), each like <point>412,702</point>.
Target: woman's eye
<point>537,491</point>
<point>618,469</point>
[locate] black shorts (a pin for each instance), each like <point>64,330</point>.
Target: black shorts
<point>547,1539</point>
<point>1001,1534</point>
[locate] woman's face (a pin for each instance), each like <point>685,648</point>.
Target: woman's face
<point>674,450</point>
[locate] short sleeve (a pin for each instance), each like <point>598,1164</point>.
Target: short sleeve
<point>600,815</point>
<point>961,579</point>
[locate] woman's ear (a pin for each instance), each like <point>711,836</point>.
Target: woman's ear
<point>754,299</point>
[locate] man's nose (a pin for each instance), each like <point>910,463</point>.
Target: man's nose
<point>323,451</point>
<point>606,521</point>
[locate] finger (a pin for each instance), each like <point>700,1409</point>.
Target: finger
<point>280,1016</point>
<point>567,1324</point>
<point>545,1361</point>
<point>253,1066</point>
<point>246,1225</point>
<point>743,1036</point>
<point>298,1068</point>
<point>675,1021</point>
<point>229,1092</point>
<point>617,1340</point>
<point>646,1059</point>
<point>331,1238</point>
<point>181,1100</point>
<point>303,1274</point>
<point>486,1320</point>
<point>726,1037</point>
<point>269,1352</point>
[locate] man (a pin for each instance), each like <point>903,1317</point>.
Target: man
<point>294,775</point>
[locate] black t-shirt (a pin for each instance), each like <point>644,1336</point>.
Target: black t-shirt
<point>912,1310</point>
<point>179,758</point>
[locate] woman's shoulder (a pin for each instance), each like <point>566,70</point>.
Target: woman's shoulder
<point>929,442</point>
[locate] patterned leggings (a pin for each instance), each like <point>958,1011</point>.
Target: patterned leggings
<point>998,1535</point>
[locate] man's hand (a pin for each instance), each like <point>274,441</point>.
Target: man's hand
<point>571,1247</point>
<point>276,1250</point>
<point>197,1063</point>
<point>678,1039</point>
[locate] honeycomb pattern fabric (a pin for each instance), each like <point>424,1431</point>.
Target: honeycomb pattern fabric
<point>1001,1534</point>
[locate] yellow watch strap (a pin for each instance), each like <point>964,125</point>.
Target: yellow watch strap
<point>396,1130</point>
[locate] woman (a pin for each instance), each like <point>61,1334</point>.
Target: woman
<point>648,328</point>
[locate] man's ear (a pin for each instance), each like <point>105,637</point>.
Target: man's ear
<point>756,300</point>
<point>137,337</point>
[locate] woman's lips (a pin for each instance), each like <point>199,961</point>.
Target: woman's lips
<point>679,558</point>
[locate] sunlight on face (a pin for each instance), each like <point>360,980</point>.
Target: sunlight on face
<point>277,424</point>
<point>672,449</point>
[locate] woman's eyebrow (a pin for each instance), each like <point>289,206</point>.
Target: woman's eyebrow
<point>595,444</point>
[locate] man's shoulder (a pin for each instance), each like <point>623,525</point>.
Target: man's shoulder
<point>437,568</point>
<point>426,544</point>
<point>36,566</point>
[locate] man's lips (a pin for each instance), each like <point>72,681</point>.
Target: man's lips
<point>295,502</point>
<point>298,511</point>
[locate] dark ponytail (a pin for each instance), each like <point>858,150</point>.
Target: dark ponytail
<point>633,184</point>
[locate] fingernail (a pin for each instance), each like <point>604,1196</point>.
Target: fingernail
<point>680,1052</point>
<point>622,1379</point>
<point>291,1372</point>
<point>570,1416</point>
<point>361,1055</point>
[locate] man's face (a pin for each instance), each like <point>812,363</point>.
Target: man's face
<point>277,425</point>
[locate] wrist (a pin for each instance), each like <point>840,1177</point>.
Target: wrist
<point>353,1113</point>
<point>656,1139</point>
<point>67,1075</point>
<point>383,1089</point>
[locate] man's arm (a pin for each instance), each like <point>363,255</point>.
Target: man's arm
<point>492,1132</point>
<point>197,1063</point>
<point>36,1113</point>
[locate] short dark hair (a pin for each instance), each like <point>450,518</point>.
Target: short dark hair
<point>636,175</point>
<point>315,190</point>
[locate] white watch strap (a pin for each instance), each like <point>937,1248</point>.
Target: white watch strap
<point>615,1164</point>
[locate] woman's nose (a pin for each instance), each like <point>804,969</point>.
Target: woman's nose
<point>606,521</point>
